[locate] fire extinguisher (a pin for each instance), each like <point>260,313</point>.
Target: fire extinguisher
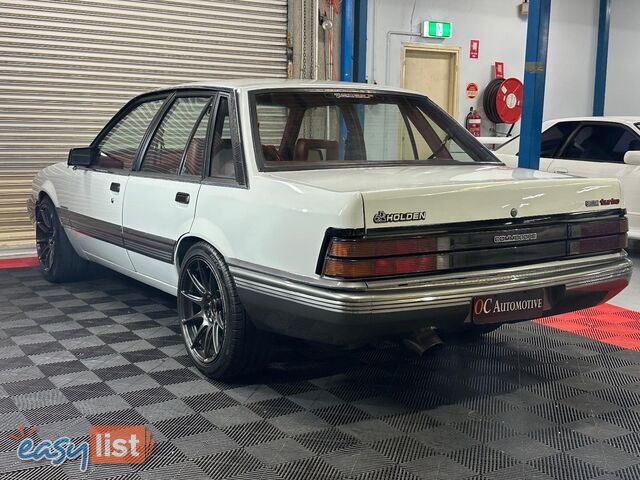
<point>474,122</point>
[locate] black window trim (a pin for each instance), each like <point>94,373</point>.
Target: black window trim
<point>196,126</point>
<point>167,95</point>
<point>151,130</point>
<point>582,124</point>
<point>241,178</point>
<point>155,124</point>
<point>465,139</point>
<point>120,114</point>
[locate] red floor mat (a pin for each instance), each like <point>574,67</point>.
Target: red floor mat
<point>605,323</point>
<point>19,262</point>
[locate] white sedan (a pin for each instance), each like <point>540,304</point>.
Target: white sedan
<point>331,212</point>
<point>591,147</point>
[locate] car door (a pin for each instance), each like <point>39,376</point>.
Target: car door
<point>163,189</point>
<point>597,149</point>
<point>92,202</point>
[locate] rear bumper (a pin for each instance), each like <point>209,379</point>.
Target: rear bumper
<point>357,312</point>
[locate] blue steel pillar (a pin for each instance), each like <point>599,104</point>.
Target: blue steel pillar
<point>602,58</point>
<point>360,42</point>
<point>535,72</point>
<point>346,42</point>
<point>346,60</point>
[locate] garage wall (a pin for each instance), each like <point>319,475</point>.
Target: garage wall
<point>623,97</point>
<point>313,59</point>
<point>502,35</point>
<point>66,66</point>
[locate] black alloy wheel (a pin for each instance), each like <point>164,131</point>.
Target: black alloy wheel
<point>45,235</point>
<point>218,334</point>
<point>59,261</point>
<point>204,309</point>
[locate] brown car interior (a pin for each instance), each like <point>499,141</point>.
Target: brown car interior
<point>300,150</point>
<point>168,160</point>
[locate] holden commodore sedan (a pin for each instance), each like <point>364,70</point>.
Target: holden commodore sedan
<point>330,212</point>
<point>591,147</point>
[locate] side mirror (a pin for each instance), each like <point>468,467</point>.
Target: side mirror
<point>81,157</point>
<point>632,157</point>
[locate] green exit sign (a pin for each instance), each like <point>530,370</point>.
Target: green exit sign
<point>432,29</point>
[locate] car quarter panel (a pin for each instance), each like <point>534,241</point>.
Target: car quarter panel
<point>275,224</point>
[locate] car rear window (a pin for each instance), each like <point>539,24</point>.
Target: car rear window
<point>325,129</point>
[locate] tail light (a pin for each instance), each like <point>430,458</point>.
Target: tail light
<point>365,258</point>
<point>385,267</point>
<point>384,248</point>
<point>371,257</point>
<point>596,237</point>
<point>599,229</point>
<point>598,244</point>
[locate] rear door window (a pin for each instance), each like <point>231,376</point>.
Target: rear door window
<point>196,150</point>
<point>169,142</point>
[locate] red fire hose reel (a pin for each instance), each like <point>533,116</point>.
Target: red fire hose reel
<point>502,100</point>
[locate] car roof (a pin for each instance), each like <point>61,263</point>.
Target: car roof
<point>248,84</point>
<point>613,119</point>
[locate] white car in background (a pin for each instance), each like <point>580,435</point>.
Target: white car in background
<point>591,147</point>
<point>337,213</point>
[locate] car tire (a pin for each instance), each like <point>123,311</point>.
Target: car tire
<point>217,332</point>
<point>59,261</point>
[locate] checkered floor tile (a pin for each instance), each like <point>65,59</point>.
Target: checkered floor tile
<point>606,323</point>
<point>526,402</point>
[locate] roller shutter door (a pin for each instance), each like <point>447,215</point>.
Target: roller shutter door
<point>67,66</point>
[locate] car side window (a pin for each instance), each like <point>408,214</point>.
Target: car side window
<point>169,141</point>
<point>628,141</point>
<point>195,152</point>
<point>599,143</point>
<point>555,137</point>
<point>117,150</point>
<point>222,159</point>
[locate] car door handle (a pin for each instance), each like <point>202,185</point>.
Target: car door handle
<point>561,170</point>
<point>182,197</point>
<point>115,187</point>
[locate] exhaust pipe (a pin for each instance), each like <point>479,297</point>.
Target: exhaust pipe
<point>425,340</point>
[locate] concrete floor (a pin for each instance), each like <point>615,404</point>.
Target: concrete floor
<point>630,298</point>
